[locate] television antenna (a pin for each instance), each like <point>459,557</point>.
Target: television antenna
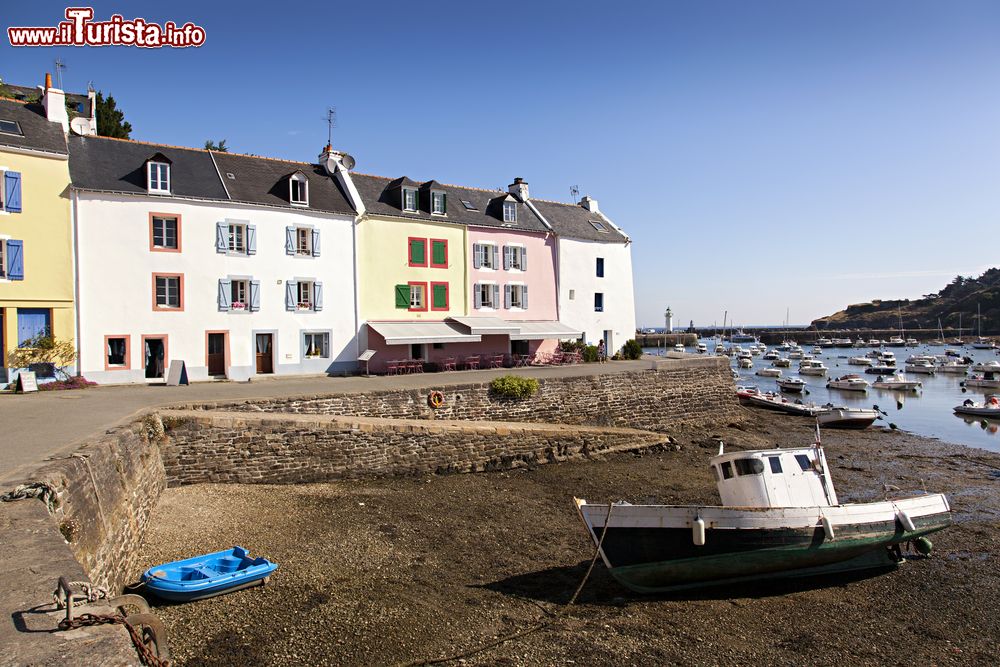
<point>331,122</point>
<point>574,192</point>
<point>60,66</point>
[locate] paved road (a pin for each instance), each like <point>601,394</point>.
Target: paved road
<point>39,426</point>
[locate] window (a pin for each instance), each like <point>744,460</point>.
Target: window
<point>304,295</point>
<point>727,470</point>
<point>236,239</point>
<point>417,253</point>
<point>239,295</point>
<point>600,267</point>
<point>486,295</point>
<point>485,256</point>
<point>32,323</point>
<point>599,226</point>
<point>439,253</point>
<point>515,258</point>
<point>775,462</point>
<point>439,203</point>
<point>11,192</point>
<point>303,241</point>
<point>316,345</point>
<point>804,462</point>
<point>298,190</point>
<point>10,127</point>
<point>164,232</point>
<point>509,211</point>
<point>516,296</point>
<point>158,177</point>
<point>572,295</point>
<point>168,292</point>
<point>469,206</point>
<point>409,199</point>
<point>116,353</point>
<point>418,296</point>
<point>598,302</point>
<point>299,295</point>
<point>439,296</point>
<point>749,466</point>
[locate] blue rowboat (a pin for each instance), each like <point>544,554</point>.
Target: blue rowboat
<point>208,575</point>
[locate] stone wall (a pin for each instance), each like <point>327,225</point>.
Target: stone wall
<point>675,392</point>
<point>247,448</point>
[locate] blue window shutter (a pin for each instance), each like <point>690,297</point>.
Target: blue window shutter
<point>32,322</point>
<point>251,239</point>
<point>506,296</point>
<point>317,296</point>
<point>289,240</point>
<point>524,297</point>
<point>291,295</point>
<point>221,237</point>
<point>225,294</point>
<point>15,260</point>
<point>315,234</point>
<point>506,257</point>
<point>254,296</point>
<point>496,258</point>
<point>476,257</point>
<point>12,191</point>
<point>524,259</point>
<point>477,296</point>
<point>496,296</point>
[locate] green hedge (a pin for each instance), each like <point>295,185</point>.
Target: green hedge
<point>513,386</point>
<point>632,349</point>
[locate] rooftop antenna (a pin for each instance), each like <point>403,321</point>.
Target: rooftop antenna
<point>331,122</point>
<point>60,66</point>
<point>574,192</point>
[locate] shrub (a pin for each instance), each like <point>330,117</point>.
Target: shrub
<point>590,353</point>
<point>572,345</point>
<point>632,349</point>
<point>77,382</point>
<point>513,386</point>
<point>44,348</point>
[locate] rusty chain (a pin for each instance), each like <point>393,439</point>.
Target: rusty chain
<point>146,654</point>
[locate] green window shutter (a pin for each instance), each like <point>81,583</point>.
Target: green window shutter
<point>418,251</point>
<point>440,296</point>
<point>402,296</point>
<point>439,252</point>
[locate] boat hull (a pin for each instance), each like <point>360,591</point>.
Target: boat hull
<point>208,575</point>
<point>650,558</point>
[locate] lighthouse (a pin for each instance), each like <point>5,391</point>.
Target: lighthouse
<point>669,319</point>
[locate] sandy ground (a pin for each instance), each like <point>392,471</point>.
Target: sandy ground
<point>393,571</point>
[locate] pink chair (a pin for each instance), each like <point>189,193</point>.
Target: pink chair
<point>472,363</point>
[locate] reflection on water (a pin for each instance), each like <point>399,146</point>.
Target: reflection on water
<point>927,411</point>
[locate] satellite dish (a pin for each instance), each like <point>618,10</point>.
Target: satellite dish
<point>80,125</point>
<point>348,162</point>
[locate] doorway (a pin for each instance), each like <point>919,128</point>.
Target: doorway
<point>155,354</point>
<point>265,353</point>
<point>216,354</point>
<point>519,347</point>
<point>608,344</point>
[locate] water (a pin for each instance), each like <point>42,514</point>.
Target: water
<point>926,412</point>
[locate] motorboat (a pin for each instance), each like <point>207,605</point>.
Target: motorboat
<point>880,369</point>
<point>744,362</point>
<point>984,381</point>
<point>875,342</point>
<point>769,372</point>
<point>983,344</point>
<point>952,352</point>
<point>824,342</point>
<point>986,367</point>
<point>721,351</point>
<point>924,366</point>
<point>855,418</point>
<point>988,408</point>
<point>796,353</point>
<point>208,575</point>
<point>742,337</point>
<point>848,382</point>
<point>812,367</point>
<point>897,382</point>
<point>702,348</point>
<point>780,516</point>
<point>782,362</point>
<point>771,355</point>
<point>860,342</point>
<point>774,401</point>
<point>948,365</point>
<point>792,385</point>
<point>912,342</point>
<point>816,350</point>
<point>843,342</point>
<point>678,347</point>
<point>860,361</point>
<point>895,341</point>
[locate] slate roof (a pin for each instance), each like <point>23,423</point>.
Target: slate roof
<point>39,133</point>
<point>265,181</point>
<point>573,221</point>
<point>79,103</point>
<point>381,198</point>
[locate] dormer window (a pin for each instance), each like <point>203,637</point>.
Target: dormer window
<point>599,226</point>
<point>439,203</point>
<point>158,174</point>
<point>410,199</point>
<point>509,211</point>
<point>298,189</point>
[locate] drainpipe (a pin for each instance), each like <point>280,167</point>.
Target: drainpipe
<point>74,220</point>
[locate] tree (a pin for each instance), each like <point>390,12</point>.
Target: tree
<point>110,120</point>
<point>221,146</point>
<point>43,348</point>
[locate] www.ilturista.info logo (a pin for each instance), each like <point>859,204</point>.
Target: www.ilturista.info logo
<point>80,30</point>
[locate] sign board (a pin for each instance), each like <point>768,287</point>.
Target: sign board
<point>26,381</point>
<point>366,355</point>
<point>177,375</point>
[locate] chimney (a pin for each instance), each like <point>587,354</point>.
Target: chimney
<point>590,204</point>
<point>519,188</point>
<point>54,102</point>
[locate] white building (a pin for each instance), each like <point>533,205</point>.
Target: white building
<point>237,265</point>
<point>594,272</point>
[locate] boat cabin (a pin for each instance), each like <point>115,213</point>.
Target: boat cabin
<point>774,478</point>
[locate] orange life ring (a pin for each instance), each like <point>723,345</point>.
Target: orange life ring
<point>435,399</point>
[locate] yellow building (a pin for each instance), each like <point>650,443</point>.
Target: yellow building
<point>36,239</point>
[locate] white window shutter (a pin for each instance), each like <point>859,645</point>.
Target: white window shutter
<point>524,297</point>
<point>506,257</point>
<point>496,296</point>
<point>496,260</point>
<point>477,296</point>
<point>317,296</point>
<point>289,240</point>
<point>221,237</point>
<point>254,296</point>
<point>477,259</point>
<point>524,259</point>
<point>506,295</point>
<point>251,239</point>
<point>291,295</point>
<point>225,294</point>
<point>315,239</point>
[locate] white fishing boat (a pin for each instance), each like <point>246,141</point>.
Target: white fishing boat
<point>951,366</point>
<point>988,408</point>
<point>984,381</point>
<point>848,382</point>
<point>986,367</point>
<point>678,347</point>
<point>812,367</point>
<point>792,385</point>
<point>896,341</point>
<point>782,363</point>
<point>924,366</point>
<point>912,342</point>
<point>816,350</point>
<point>855,418</point>
<point>824,342</point>
<point>780,516</point>
<point>875,342</point>
<point>795,354</point>
<point>860,361</point>
<point>859,342</point>
<point>702,348</point>
<point>774,401</point>
<point>897,382</point>
<point>769,372</point>
<point>771,355</point>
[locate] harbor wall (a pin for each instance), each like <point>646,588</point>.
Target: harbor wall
<point>249,448</point>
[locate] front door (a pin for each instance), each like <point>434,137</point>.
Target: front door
<point>154,354</point>
<point>608,344</point>
<point>216,354</point>
<point>265,353</point>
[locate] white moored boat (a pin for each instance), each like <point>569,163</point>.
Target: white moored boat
<point>854,418</point>
<point>946,364</point>
<point>848,383</point>
<point>771,355</point>
<point>779,516</point>
<point>678,347</point>
<point>769,372</point>
<point>920,365</point>
<point>702,348</point>
<point>782,363</point>
<point>988,408</point>
<point>812,367</point>
<point>897,382</point>
<point>792,385</point>
<point>860,361</point>
<point>986,367</point>
<point>984,381</point>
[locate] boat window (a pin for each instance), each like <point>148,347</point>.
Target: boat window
<point>727,470</point>
<point>749,466</point>
<point>804,461</point>
<point>775,463</point>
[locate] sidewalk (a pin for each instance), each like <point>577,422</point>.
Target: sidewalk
<point>47,424</point>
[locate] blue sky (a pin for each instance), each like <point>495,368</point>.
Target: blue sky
<point>763,155</point>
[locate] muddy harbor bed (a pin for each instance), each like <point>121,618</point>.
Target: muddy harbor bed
<point>388,571</point>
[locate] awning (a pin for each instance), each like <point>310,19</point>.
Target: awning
<point>487,325</point>
<point>544,330</point>
<point>407,333</point>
